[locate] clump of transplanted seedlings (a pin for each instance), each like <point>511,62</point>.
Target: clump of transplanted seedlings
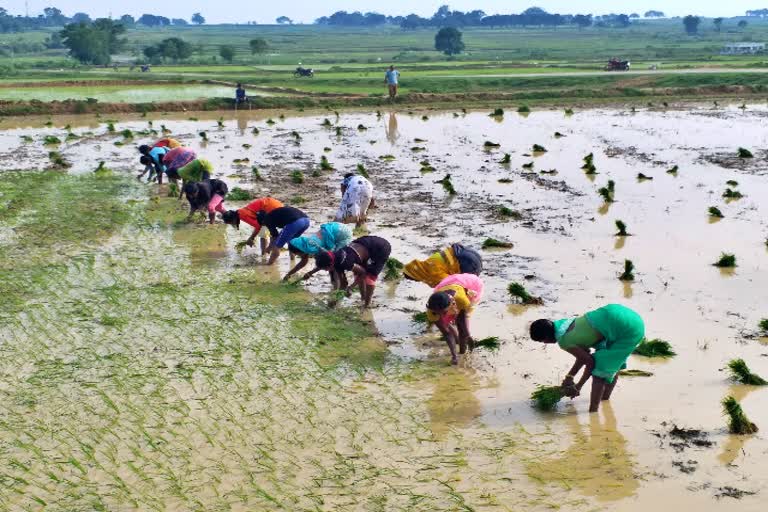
<point>504,211</point>
<point>559,135</point>
<point>538,148</point>
<point>393,270</point>
<point>387,158</point>
<point>607,192</point>
<point>491,145</point>
<point>546,398</point>
<point>726,261</point>
<point>492,243</point>
<point>72,136</point>
<point>763,325</point>
<point>643,177</point>
<point>51,140</point>
<point>714,211</point>
<point>622,228</point>
<point>27,138</point>
<point>256,174</point>
<point>740,371</point>
<point>738,423</point>
<point>589,159</point>
<point>744,153</point>
<point>362,171</point>
<point>447,185</point>
<point>58,161</point>
<point>173,190</point>
<point>673,170</point>
<point>491,343</point>
<point>296,136</point>
<point>629,269</point>
<point>325,165</point>
<point>654,348</point>
<point>498,112</point>
<point>732,183</point>
<point>111,127</point>
<point>523,109</point>
<point>270,122</point>
<point>507,159</point>
<point>127,134</point>
<point>529,166</point>
<point>238,194</point>
<point>361,127</point>
<point>425,118</point>
<point>417,149</point>
<point>569,111</point>
<point>220,122</point>
<point>297,177</point>
<point>426,167</point>
<point>518,291</point>
<point>204,136</point>
<point>732,194</point>
<point>590,169</point>
<point>420,317</point>
<point>255,131</point>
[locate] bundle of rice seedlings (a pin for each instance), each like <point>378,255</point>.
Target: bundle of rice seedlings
<point>654,348</point>
<point>763,324</point>
<point>393,269</point>
<point>256,174</point>
<point>559,135</point>
<point>673,170</point>
<point>239,194</point>
<point>447,185</point>
<point>295,135</point>
<point>58,161</point>
<point>738,423</point>
<point>325,165</point>
<point>111,127</point>
<point>387,158</point>
<point>270,122</point>
<point>491,343</point>
<point>507,159</point>
<point>492,243</point>
<point>239,246</point>
<point>51,140</point>
<point>745,153</point>
<point>622,228</point>
<point>569,112</point>
<point>361,127</point>
<point>546,398</point>
<point>732,183</point>
<point>551,172</point>
<point>628,274</point>
<point>489,144</point>
<point>255,131</point>
<point>297,177</point>
<point>416,149</point>
<point>204,136</point>
<point>606,194</point>
<point>518,291</point>
<point>523,109</point>
<point>714,211</point>
<point>528,166</point>
<point>425,118</point>
<point>537,148</point>
<point>504,211</point>
<point>420,318</point>
<point>164,129</point>
<point>220,122</point>
<point>127,134</point>
<point>499,112</point>
<point>643,177</point>
<point>362,171</point>
<point>732,194</point>
<point>726,261</point>
<point>505,180</point>
<point>740,371</point>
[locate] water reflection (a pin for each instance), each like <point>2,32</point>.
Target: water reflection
<point>453,403</point>
<point>597,463</point>
<point>391,129</point>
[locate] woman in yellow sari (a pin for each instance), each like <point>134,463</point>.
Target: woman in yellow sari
<point>453,260</point>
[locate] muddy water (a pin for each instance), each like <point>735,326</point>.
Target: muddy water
<point>565,251</point>
<point>116,93</point>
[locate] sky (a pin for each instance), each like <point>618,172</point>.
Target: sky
<point>265,11</point>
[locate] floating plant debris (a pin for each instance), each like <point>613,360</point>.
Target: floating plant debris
<point>738,423</point>
<point>740,371</point>
<point>546,398</point>
<point>654,348</point>
<point>492,243</point>
<point>518,291</point>
<point>628,274</point>
<point>726,261</point>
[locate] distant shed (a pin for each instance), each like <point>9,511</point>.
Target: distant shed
<point>743,49</point>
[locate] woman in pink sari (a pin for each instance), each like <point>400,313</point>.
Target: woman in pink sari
<point>450,306</point>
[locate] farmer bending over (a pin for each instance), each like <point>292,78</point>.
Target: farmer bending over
<point>450,307</point>
<point>248,215</point>
<point>292,223</point>
<point>613,332</point>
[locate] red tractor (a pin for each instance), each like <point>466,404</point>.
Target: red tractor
<point>617,65</point>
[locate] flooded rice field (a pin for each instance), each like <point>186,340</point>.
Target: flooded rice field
<point>149,365</point>
<point>127,93</point>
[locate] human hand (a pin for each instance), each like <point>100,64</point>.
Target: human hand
<point>567,381</point>
<point>249,242</point>
<point>571,391</point>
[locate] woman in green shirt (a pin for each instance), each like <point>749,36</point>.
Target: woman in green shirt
<point>613,332</point>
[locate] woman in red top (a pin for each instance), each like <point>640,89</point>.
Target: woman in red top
<point>248,215</point>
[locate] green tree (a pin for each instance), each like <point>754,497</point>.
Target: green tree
<point>691,24</point>
<point>718,22</point>
<point>93,43</point>
<point>198,19</point>
<point>227,53</point>
<point>449,41</point>
<point>258,46</point>
<point>742,24</point>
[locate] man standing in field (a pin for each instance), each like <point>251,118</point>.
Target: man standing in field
<point>391,79</point>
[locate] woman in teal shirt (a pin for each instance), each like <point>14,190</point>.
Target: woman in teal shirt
<point>613,332</point>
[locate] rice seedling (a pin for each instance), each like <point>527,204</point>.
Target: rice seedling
<point>546,398</point>
<point>740,371</point>
<point>204,136</point>
<point>378,114</point>
<point>270,122</point>
<point>738,423</point>
<point>654,348</point>
<point>419,141</point>
<point>744,153</point>
<point>72,136</point>
<point>505,180</point>
<point>622,228</point>
<point>551,172</point>
<point>569,112</point>
<point>58,161</point>
<point>492,243</point>
<point>27,138</point>
<point>255,131</point>
<point>362,171</point>
<point>732,194</point>
<point>325,165</point>
<point>726,261</point>
<point>673,170</point>
<point>426,167</point>
<point>491,343</point>
<point>504,211</point>
<point>425,118</point>
<point>240,246</point>
<point>498,112</point>
<point>127,134</point>
<point>447,185</point>
<point>714,211</point>
<point>246,146</point>
<point>51,140</point>
<point>643,177</point>
<point>537,148</point>
<point>416,149</point>
<point>606,194</point>
<point>743,106</point>
<point>523,109</point>
<point>559,135</point>
<point>628,274</point>
<point>173,190</point>
<point>111,127</point>
<point>393,270</point>
<point>102,170</point>
<point>420,318</point>
<point>528,166</point>
<point>295,135</point>
<point>488,144</point>
<point>220,122</point>
<point>297,177</point>
<point>507,159</point>
<point>256,174</point>
<point>590,169</point>
<point>387,158</point>
<point>732,183</point>
<point>611,186</point>
<point>763,325</point>
<point>519,292</point>
<point>361,127</point>
<point>239,194</point>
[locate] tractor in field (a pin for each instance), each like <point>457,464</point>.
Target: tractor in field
<point>304,72</point>
<point>617,65</point>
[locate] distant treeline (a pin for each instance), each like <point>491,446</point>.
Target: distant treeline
<point>53,17</point>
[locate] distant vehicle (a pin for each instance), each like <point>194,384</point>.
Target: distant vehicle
<point>304,72</point>
<point>618,65</point>
<point>145,68</point>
